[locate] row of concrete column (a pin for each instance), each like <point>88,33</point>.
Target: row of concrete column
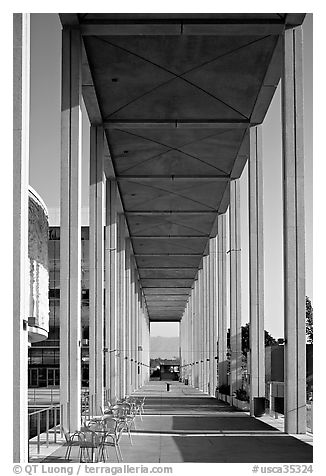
<point>200,347</point>
<point>119,324</point>
<point>118,320</point>
<point>203,327</point>
<point>210,309</point>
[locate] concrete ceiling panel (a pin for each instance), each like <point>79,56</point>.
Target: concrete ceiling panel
<point>120,77</point>
<point>218,150</point>
<point>190,93</point>
<point>166,283</point>
<point>154,298</point>
<point>174,224</point>
<point>125,17</point>
<point>130,150</point>
<point>172,138</point>
<point>167,291</point>
<point>172,195</point>
<point>188,246</point>
<point>177,152</point>
<point>236,78</point>
<point>169,163</point>
<point>171,101</point>
<point>180,54</point>
<point>163,273</point>
<point>168,261</point>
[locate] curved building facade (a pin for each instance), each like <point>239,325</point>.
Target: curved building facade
<point>38,229</point>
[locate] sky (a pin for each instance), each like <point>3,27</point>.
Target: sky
<point>45,165</point>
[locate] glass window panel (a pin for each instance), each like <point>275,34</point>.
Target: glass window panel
<point>50,381</point>
<point>57,356</point>
<point>42,378</point>
<point>54,293</point>
<point>85,233</point>
<point>33,378</point>
<point>51,250</point>
<point>57,377</point>
<point>35,356</point>
<point>48,356</point>
<point>54,233</point>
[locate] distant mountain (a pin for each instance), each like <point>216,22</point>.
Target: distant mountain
<point>165,347</point>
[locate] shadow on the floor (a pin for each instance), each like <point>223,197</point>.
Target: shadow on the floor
<point>172,405</point>
<point>221,423</point>
<point>276,448</point>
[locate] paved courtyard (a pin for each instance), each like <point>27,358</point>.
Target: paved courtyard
<point>185,425</point>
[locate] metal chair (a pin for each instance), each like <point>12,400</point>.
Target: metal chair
<point>106,409</point>
<point>125,413</point>
<point>89,440</point>
<point>70,440</point>
<point>139,405</point>
<point>112,433</point>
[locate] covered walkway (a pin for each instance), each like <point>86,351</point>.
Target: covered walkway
<point>185,425</point>
<point>175,103</point>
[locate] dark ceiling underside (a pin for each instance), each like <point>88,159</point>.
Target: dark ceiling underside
<point>177,94</point>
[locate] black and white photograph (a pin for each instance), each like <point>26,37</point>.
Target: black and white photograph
<point>162,241</point>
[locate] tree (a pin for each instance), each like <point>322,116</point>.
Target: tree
<point>269,340</point>
<point>309,319</point>
<point>245,339</point>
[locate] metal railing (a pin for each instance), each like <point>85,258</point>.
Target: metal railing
<point>275,390</point>
<point>310,416</point>
<point>42,422</point>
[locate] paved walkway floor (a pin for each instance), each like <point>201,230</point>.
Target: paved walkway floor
<point>185,425</point>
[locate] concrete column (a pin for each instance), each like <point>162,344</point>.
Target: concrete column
<point>128,317</point>
<point>21,93</point>
<point>188,341</point>
<point>204,320</point>
<point>134,328</point>
<point>200,328</point>
<point>140,342</point>
<point>122,304</point>
<point>207,320</point>
<point>70,231</point>
<point>201,324</point>
<point>222,301</point>
<point>191,337</point>
<point>136,338</point>
<point>235,287</point>
<point>183,324</point>
<point>212,315</point>
<point>196,333</point>
<point>293,235</point>
<point>181,349</point>
<point>143,343</point>
<point>111,290</point>
<point>145,358</point>
<point>96,269</point>
<point>138,355</point>
<point>256,268</point>
<point>131,317</point>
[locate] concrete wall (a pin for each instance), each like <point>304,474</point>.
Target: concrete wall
<point>274,362</point>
